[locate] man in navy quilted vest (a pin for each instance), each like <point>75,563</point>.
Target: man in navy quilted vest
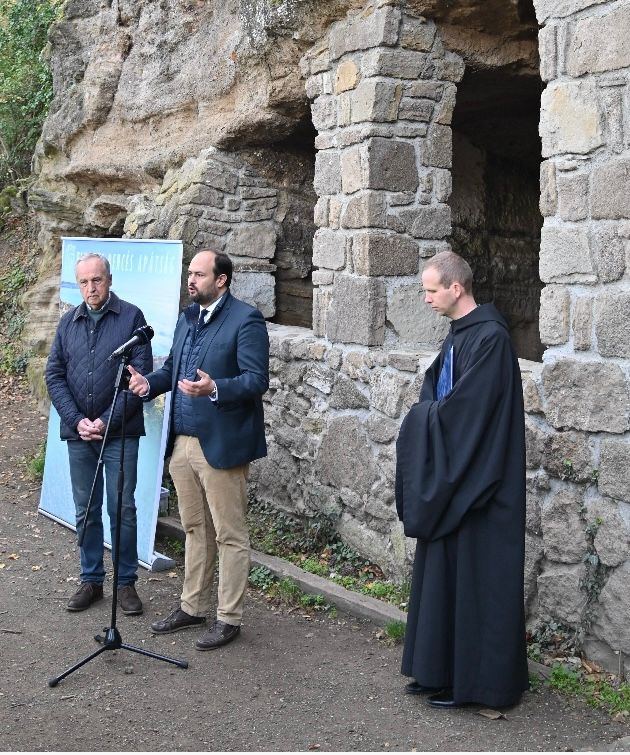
<point>218,370</point>
<point>80,382</point>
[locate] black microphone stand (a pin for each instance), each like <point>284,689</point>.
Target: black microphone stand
<point>112,639</point>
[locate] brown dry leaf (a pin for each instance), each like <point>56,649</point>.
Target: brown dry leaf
<point>491,714</point>
<point>13,556</point>
<point>2,566</point>
<point>35,568</point>
<point>172,574</point>
<point>314,747</point>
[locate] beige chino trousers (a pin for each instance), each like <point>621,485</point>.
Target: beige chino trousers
<point>213,507</point>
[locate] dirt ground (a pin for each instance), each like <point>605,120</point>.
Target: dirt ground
<point>291,682</point>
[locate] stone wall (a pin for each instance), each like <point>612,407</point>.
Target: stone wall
<point>579,439</point>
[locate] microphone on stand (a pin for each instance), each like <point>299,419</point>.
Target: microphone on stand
<point>140,335</point>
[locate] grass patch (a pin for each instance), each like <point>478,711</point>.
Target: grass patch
<point>35,465</point>
<point>597,689</point>
<point>287,590</point>
<point>314,546</point>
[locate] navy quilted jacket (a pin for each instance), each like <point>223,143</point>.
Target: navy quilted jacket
<point>79,378</point>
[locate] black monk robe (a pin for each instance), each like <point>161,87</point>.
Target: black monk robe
<point>460,489</point>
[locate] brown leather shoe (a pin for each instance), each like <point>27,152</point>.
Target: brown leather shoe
<point>175,621</point>
<point>129,601</point>
<point>219,634</point>
<point>88,593</point>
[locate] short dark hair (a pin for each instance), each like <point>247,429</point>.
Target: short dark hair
<point>223,266</point>
<point>451,267</point>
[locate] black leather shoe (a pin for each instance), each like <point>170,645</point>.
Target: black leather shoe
<point>129,600</point>
<point>413,688</point>
<point>88,593</point>
<point>444,699</point>
<point>175,621</point>
<point>219,634</point>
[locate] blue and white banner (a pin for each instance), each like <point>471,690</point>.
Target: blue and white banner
<point>146,273</point>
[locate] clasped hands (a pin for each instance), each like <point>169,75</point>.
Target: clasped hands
<point>139,385</point>
<point>89,430</point>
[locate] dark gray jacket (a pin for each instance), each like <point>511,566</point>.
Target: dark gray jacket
<point>79,378</point>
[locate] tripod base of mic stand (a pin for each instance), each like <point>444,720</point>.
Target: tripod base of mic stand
<point>113,641</point>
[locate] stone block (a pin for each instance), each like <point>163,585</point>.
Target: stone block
<point>572,402</point>
<point>327,172</point>
<point>324,113</point>
<point>347,76</point>
<point>564,538</point>
<point>375,101</point>
<point>546,9</point>
<point>321,304</point>
<point>450,67</point>
<point>442,184</point>
<point>414,109</point>
<point>570,118</point>
<point>608,251</point>
<point>533,557</point>
<point>414,321</point>
<point>320,377</point>
<point>438,150</point>
<point>599,43</point>
<point>357,311</point>
<point>431,90</point>
<point>397,64</point>
<point>320,212</point>
<point>386,392</point>
<point>531,395</point>
<point>610,198</point>
<point>572,195</point>
<point>583,323</point>
<point>612,621</point>
<point>548,189</point>
<point>612,324</point>
<point>568,456</point>
<point>564,252</point>
<point>614,469</point>
<point>365,211</point>
<point>346,395</point>
<point>554,315</point>
<point>406,361</point>
<point>380,253</point>
<point>612,539</point>
<point>559,593</point>
<point>429,222</point>
<point>534,440</point>
<point>329,249</point>
<point>391,165</point>
<point>257,289</point>
<point>322,277</point>
<point>252,240</point>
<point>345,458</point>
<point>417,34</point>
<point>381,429</point>
<point>371,28</point>
<point>353,174</point>
<point>548,49</point>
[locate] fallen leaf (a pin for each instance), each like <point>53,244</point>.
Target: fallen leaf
<point>35,568</point>
<point>172,574</point>
<point>491,714</point>
<point>2,566</point>
<point>314,747</point>
<point>13,556</point>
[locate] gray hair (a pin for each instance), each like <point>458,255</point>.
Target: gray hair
<point>93,256</point>
<point>451,268</point>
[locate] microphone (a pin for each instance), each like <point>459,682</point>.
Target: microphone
<point>140,335</point>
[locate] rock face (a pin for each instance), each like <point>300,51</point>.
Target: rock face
<point>331,148</point>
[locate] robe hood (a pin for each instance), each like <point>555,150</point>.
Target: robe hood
<point>481,313</point>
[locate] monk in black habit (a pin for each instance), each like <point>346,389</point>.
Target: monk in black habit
<point>460,490</point>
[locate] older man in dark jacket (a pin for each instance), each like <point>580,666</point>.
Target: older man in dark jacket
<point>80,383</point>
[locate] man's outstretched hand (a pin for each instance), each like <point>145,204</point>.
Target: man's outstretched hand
<point>138,384</point>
